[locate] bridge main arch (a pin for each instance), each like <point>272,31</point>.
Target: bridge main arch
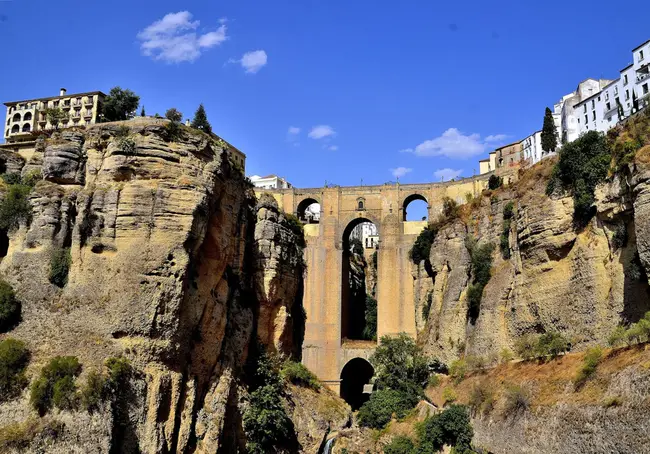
<point>355,377</point>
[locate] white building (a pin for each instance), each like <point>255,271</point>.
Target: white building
<point>531,148</point>
<point>367,233</point>
<point>569,125</point>
<point>619,99</point>
<point>270,182</point>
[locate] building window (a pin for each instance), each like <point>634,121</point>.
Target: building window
<point>16,117</point>
<point>627,95</point>
<point>593,104</point>
<point>27,127</point>
<point>584,107</point>
<point>593,115</point>
<point>640,55</point>
<point>616,91</point>
<point>645,89</point>
<point>608,107</point>
<point>586,119</point>
<point>606,96</point>
<point>27,117</point>
<point>625,79</point>
<point>15,129</point>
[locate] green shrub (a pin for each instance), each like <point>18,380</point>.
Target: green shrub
<point>517,399</point>
<point>481,398</point>
<point>617,336</point>
<point>60,261</point>
<point>495,182</point>
<point>400,445</point>
<point>14,358</point>
<point>422,247</point>
<point>508,210</point>
<point>400,365</point>
<point>612,401</point>
<point>434,381</point>
<point>31,178</point>
<point>458,370</point>
<point>450,427</point>
<point>589,364</point>
<point>108,386</point>
<point>92,393</point>
<point>55,385</point>
<point>526,346</point>
<point>481,257</point>
<point>449,395</point>
<point>476,362</point>
<point>173,131</point>
<point>581,166</point>
<point>18,436</point>
<point>293,223</point>
<point>619,238</point>
<point>426,307</point>
<point>11,178</point>
<point>370,329</point>
<point>15,207</point>
<point>379,409</point>
<point>552,344</point>
<point>506,355</point>
<point>504,244</point>
<point>450,208</point>
<point>298,374</point>
<point>9,307</point>
<point>265,421</point>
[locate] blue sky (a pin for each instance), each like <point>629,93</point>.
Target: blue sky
<point>332,91</point>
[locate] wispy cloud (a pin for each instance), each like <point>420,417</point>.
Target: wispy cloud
<point>321,131</point>
<point>292,135</point>
<point>293,130</point>
<point>173,39</point>
<point>447,174</point>
<point>333,147</point>
<point>253,61</point>
<point>454,144</point>
<point>399,172</point>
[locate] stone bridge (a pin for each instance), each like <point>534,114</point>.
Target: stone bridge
<point>325,349</point>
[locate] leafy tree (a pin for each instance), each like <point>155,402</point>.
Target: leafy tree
<point>422,246</point>
<point>495,182</point>
<point>400,365</point>
<point>298,374</point>
<point>200,120</point>
<point>552,344</point>
<point>120,104</point>
<point>451,427</point>
<point>549,132</point>
<point>142,113</point>
<point>481,268</point>
<point>55,116</point>
<point>583,164</point>
<point>14,357</point>
<point>55,385</point>
<point>174,115</point>
<point>9,307</point>
<point>383,404</point>
<point>60,261</point>
<point>400,444</point>
<point>15,207</point>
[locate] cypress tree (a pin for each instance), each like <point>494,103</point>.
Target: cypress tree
<point>200,120</point>
<point>549,133</point>
<point>142,114</point>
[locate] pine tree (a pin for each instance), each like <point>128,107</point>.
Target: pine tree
<point>549,133</point>
<point>200,120</point>
<point>142,114</point>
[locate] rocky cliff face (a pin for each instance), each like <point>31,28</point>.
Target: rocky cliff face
<point>173,266</point>
<point>582,283</point>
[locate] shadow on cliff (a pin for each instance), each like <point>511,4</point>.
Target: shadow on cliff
<point>636,291</point>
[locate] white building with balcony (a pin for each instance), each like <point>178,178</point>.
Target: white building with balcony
<point>531,148</point>
<point>270,182</point>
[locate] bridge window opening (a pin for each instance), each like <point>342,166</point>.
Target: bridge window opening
<point>355,382</point>
<point>309,211</point>
<point>416,208</point>
<point>360,205</point>
<point>359,281</point>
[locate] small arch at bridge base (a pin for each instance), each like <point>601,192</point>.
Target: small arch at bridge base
<point>355,382</point>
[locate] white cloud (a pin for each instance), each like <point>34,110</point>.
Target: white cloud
<point>293,130</point>
<point>321,131</point>
<point>399,172</point>
<point>173,39</point>
<point>333,147</point>
<point>253,61</point>
<point>496,138</point>
<point>447,174</point>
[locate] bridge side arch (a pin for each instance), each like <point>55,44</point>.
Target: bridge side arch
<point>411,198</point>
<point>303,204</point>
<point>355,375</point>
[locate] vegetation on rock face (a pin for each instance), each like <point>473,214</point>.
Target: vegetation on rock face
<point>549,132</point>
<point>551,344</point>
<point>293,223</point>
<point>508,213</point>
<point>494,182</point>
<point>590,363</point>
<point>582,165</point>
<point>120,105</point>
<point>400,445</point>
<point>517,399</point>
<point>56,385</point>
<point>106,386</point>
<point>265,421</point>
<point>9,307</point>
<point>14,357</point>
<point>634,334</point>
<point>370,329</point>
<point>481,257</point>
<point>400,365</point>
<point>60,261</point>
<point>298,374</point>
<point>383,404</point>
<point>19,435</point>
<point>422,247</point>
<point>451,427</point>
<point>173,115</point>
<point>15,208</point>
<point>200,120</point>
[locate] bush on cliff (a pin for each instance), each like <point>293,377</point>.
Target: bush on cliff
<point>56,385</point>
<point>298,374</point>
<point>451,427</point>
<point>589,364</point>
<point>60,261</point>
<point>293,223</point>
<point>15,208</point>
<point>495,182</point>
<point>14,357</point>
<point>400,444</point>
<point>481,257</point>
<point>9,307</point>
<point>370,330</point>
<point>383,404</point>
<point>400,365</point>
<point>108,385</point>
<point>582,165</point>
<point>422,247</point>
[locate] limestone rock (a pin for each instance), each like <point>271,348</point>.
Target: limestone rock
<point>64,160</point>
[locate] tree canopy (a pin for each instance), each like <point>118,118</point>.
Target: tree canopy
<point>120,104</point>
<point>55,116</point>
<point>200,120</point>
<point>549,132</point>
<point>174,115</point>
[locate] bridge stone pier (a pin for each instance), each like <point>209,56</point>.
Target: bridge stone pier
<point>325,350</point>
